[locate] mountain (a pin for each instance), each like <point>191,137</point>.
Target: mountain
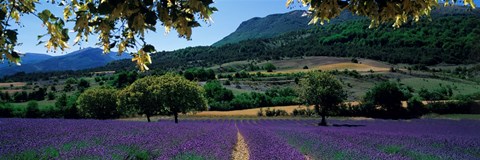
<point>451,37</point>
<point>78,60</point>
<point>28,58</point>
<point>276,24</point>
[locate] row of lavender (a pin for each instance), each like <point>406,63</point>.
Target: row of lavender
<point>372,139</point>
<point>215,139</point>
<point>93,139</point>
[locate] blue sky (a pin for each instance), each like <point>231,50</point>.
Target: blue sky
<point>231,13</point>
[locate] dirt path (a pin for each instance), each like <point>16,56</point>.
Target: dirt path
<point>240,152</point>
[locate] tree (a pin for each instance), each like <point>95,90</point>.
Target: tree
<point>61,102</point>
<point>98,103</point>
<point>38,95</point>
<point>216,92</point>
<point>387,98</point>
<point>53,89</point>
<point>51,96</point>
<point>169,94</point>
<point>68,87</point>
<point>20,96</point>
<point>32,110</point>
<point>83,84</point>
<point>269,67</point>
<point>71,81</point>
<point>180,95</point>
<point>141,97</point>
<point>125,78</point>
<point>322,90</point>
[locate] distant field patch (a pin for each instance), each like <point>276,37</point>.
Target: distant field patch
<point>245,112</point>
<point>432,84</point>
<point>14,84</point>
<point>327,64</point>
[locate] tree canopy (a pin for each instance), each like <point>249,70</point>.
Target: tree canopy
<point>123,24</point>
<point>141,97</point>
<point>98,103</point>
<point>179,95</point>
<point>169,94</point>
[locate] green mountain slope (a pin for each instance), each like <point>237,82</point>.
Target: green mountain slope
<point>275,25</point>
<point>450,37</point>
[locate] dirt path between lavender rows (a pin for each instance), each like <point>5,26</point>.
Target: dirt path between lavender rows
<point>240,152</point>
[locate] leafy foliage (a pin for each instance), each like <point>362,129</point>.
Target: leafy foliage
<point>179,95</point>
<point>167,95</point>
<point>120,24</point>
<point>199,74</point>
<point>141,97</point>
<point>98,103</point>
<point>322,90</point>
<point>385,100</point>
<point>269,67</point>
<point>218,97</point>
<point>399,12</point>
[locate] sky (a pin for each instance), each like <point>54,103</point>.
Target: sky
<point>231,13</point>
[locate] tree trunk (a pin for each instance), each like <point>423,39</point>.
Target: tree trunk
<point>175,114</point>
<point>323,114</point>
<point>323,122</point>
<point>148,117</point>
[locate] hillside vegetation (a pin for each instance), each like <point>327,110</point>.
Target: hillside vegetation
<point>448,38</point>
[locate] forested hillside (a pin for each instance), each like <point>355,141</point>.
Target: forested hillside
<point>277,24</point>
<point>450,37</point>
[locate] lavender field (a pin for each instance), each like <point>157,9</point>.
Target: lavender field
<point>216,139</point>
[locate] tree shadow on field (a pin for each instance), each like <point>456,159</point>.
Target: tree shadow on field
<point>348,125</point>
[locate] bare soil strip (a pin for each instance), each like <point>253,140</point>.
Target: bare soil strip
<point>240,152</point>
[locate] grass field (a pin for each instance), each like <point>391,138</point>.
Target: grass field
<point>14,84</point>
<point>41,105</point>
<point>432,84</point>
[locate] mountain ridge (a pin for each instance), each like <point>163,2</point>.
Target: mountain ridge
<point>276,24</point>
<point>81,59</point>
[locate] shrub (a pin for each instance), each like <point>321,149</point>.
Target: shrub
<point>415,107</point>
<point>260,113</point>
<point>51,96</point>
<point>269,67</point>
<point>303,112</point>
<point>220,106</point>
<point>6,110</point>
<point>354,60</point>
<point>275,112</point>
<point>51,112</point>
<point>243,101</point>
<point>451,107</point>
<point>384,100</point>
<point>32,110</point>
